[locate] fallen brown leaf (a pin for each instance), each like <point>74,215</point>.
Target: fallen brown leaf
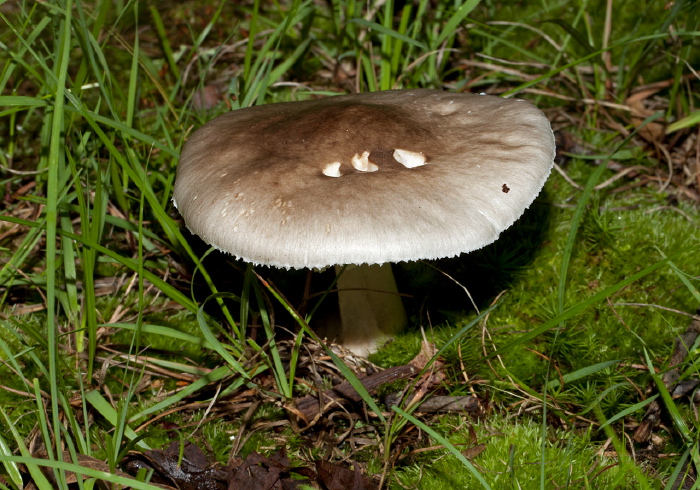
<point>474,451</point>
<point>191,472</point>
<point>336,477</point>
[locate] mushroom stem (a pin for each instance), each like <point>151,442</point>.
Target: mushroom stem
<point>371,310</point>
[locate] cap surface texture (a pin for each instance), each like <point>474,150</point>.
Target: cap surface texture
<point>320,182</point>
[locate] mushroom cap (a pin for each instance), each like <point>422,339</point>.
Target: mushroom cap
<point>318,183</point>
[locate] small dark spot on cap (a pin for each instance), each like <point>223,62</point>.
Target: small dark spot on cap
<point>505,189</point>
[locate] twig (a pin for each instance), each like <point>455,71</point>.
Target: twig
<point>672,310</point>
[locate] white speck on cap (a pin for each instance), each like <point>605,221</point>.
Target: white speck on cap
<point>409,159</point>
<point>362,163</point>
<point>332,170</point>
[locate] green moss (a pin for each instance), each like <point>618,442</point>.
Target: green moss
<point>512,458</point>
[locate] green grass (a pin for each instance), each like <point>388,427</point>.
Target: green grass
<point>96,100</point>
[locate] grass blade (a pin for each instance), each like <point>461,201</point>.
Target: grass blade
<point>456,19</point>
<point>82,470</point>
<point>445,443</point>
<point>628,411</point>
<point>95,399</point>
<point>389,32</point>
<point>670,405</point>
<point>10,466</point>
<point>581,373</point>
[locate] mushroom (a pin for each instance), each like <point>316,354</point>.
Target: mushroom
<point>363,179</point>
